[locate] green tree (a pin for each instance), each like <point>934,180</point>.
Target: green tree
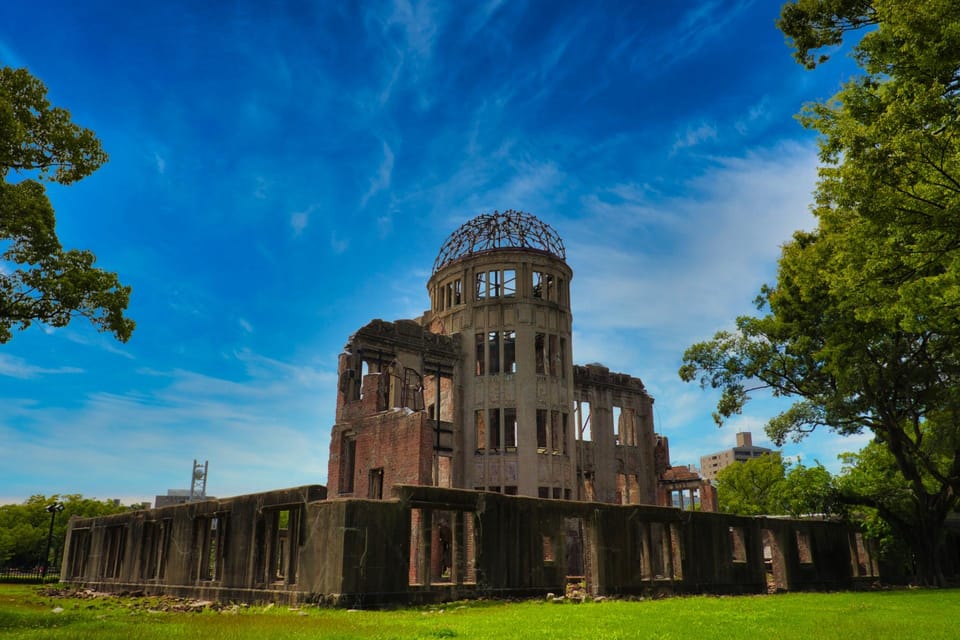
<point>46,284</point>
<point>24,527</point>
<point>809,491</point>
<point>752,487</point>
<point>861,326</point>
<point>768,486</point>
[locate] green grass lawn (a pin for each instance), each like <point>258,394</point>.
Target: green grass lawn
<point>926,614</point>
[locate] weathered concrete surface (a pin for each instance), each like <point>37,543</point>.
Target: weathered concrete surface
<point>429,544</point>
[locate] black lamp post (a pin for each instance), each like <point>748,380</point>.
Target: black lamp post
<point>53,509</point>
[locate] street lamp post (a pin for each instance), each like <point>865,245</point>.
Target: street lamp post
<point>53,509</point>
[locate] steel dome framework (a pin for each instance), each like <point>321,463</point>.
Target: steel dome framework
<point>509,229</point>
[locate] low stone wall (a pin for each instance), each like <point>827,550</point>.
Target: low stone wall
<point>431,544</point>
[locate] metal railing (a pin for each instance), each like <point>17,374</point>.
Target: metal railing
<point>29,576</point>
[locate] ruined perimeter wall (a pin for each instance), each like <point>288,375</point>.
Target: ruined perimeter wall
<point>430,544</point>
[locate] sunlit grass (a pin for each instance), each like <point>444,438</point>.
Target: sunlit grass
<point>24,613</point>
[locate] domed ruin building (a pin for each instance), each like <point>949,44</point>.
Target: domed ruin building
<point>511,413</point>
<point>438,419</point>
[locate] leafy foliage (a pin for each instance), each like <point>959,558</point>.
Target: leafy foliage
<point>768,486</point>
<point>39,280</point>
<point>24,527</point>
<point>861,326</point>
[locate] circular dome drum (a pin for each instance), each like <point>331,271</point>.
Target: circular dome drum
<point>499,230</point>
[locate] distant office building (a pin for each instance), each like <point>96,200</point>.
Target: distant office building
<point>178,496</point>
<point>710,465</point>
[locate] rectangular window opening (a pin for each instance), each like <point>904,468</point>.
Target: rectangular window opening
<point>804,552</point>
<point>538,284</point>
<point>493,281</point>
<point>555,442</point>
<point>480,289</point>
<point>495,429</point>
<point>480,430</point>
<point>510,351</point>
<point>617,434</point>
<point>509,283</point>
<point>493,342</point>
<point>540,345</point>
<point>510,429</point>
<point>375,484</point>
<point>348,456</point>
<point>555,364</point>
<point>480,353</point>
<point>738,550</point>
<point>282,544</point>
<point>562,357</point>
<point>541,430</point>
<point>584,426</point>
<point>547,550</point>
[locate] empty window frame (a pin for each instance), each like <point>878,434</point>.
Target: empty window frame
<point>79,552</point>
<point>510,429</point>
<point>540,348</point>
<point>584,423</point>
<point>480,429</point>
<point>541,430</point>
<point>738,548</point>
<point>443,547</point>
<point>156,546</point>
<point>509,283</point>
<point>548,550</point>
<point>555,364</point>
<point>556,445</point>
<point>510,351</point>
<point>348,457</point>
<point>210,538</point>
<point>480,288</point>
<point>550,354</point>
<point>375,484</point>
<point>564,421</point>
<point>282,528</point>
<point>493,350</point>
<point>114,547</point>
<point>452,294</point>
<point>493,284</point>
<point>494,429</point>
<point>481,350</point>
<point>562,357</point>
<point>804,552</point>
<point>544,287</point>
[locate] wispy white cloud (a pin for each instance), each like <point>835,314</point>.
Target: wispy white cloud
<point>757,113</point>
<point>300,219</point>
<point>250,427</point>
<point>381,180</point>
<point>695,135</point>
<point>409,32</point>
<point>14,367</point>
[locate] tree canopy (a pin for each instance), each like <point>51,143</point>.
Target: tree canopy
<point>768,486</point>
<point>24,527</point>
<point>861,327</point>
<point>39,280</point>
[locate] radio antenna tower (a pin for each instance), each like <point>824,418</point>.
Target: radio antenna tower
<point>198,481</point>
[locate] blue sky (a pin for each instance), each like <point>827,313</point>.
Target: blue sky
<point>283,172</point>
